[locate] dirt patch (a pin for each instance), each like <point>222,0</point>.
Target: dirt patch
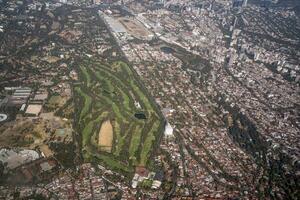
<point>70,36</point>
<point>13,134</point>
<point>105,138</point>
<point>135,28</point>
<point>46,150</point>
<point>51,59</point>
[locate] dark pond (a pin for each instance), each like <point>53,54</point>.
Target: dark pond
<point>140,116</point>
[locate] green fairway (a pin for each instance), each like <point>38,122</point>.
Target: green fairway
<point>111,91</point>
<point>87,102</point>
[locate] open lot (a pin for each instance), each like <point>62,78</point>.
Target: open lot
<point>135,28</point>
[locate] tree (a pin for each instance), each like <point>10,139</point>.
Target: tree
<point>1,171</point>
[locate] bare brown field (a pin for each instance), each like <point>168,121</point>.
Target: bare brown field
<point>105,137</point>
<point>135,28</point>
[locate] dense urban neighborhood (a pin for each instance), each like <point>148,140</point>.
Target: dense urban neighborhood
<point>149,99</point>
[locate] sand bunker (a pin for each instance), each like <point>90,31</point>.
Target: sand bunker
<point>105,138</point>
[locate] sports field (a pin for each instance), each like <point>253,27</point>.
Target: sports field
<point>112,94</point>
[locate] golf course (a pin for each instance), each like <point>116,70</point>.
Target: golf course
<point>118,123</point>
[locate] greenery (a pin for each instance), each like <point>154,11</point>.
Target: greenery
<point>53,102</point>
<point>109,91</point>
<point>146,184</point>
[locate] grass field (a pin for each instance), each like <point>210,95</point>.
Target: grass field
<point>110,92</point>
